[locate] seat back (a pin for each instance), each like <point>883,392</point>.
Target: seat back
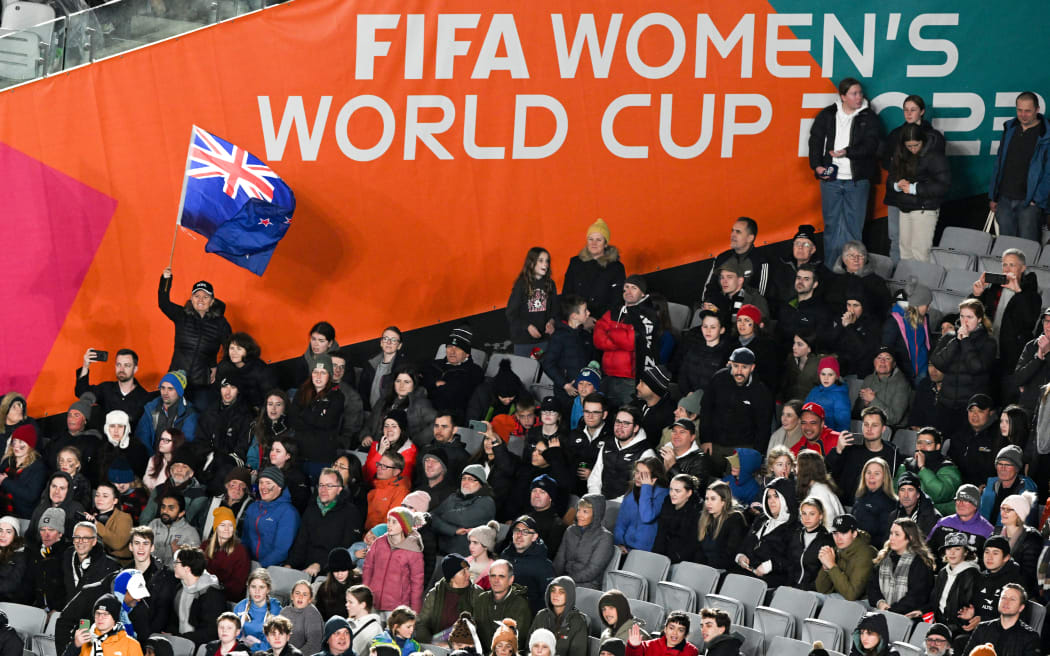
<point>753,643</point>
<point>831,634</point>
<point>44,645</point>
<point>527,369</point>
<point>966,239</point>
<point>950,259</point>
<point>959,281</point>
<point>284,580</point>
<point>674,596</point>
<point>587,603</point>
<point>594,646</point>
<point>702,578</point>
<point>918,634</point>
<point>471,439</point>
<point>904,439</point>
<point>899,625</point>
<point>21,15</point>
<point>26,620</point>
<point>928,273</point>
<point>772,622</point>
<point>612,512</point>
<point>20,57</point>
<point>781,646</point>
<point>946,302</point>
<point>735,609</point>
<point>1037,616</point>
<point>181,646</point>
<point>653,567</point>
<point>695,636</point>
<point>633,586</point>
<point>1042,275</point>
<point>881,264</point>
<point>680,315</point>
<point>748,590</point>
<point>906,649</point>
<point>800,604</point>
<point>52,621</point>
<point>650,613</point>
<point>1030,248</point>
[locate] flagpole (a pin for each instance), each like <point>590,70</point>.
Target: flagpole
<point>182,197</point>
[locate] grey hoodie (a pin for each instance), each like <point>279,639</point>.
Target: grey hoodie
<point>569,628</point>
<point>188,594</point>
<point>585,551</point>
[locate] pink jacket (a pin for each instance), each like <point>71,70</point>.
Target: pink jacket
<point>395,573</point>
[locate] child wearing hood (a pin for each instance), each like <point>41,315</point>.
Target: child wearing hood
<point>743,466</point>
<point>563,619</point>
<point>764,551</point>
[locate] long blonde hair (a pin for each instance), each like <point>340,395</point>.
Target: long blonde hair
<point>710,522</point>
<point>9,456</point>
<point>887,482</point>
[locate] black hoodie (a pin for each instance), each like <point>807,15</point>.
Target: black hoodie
<point>872,621</point>
<point>770,537</point>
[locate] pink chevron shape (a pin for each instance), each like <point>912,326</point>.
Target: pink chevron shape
<point>51,226</point>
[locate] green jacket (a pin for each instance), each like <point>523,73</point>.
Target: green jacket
<point>488,612</point>
<point>853,566</point>
<point>939,485</point>
<point>429,619</point>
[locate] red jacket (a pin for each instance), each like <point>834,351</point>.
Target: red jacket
<point>616,340</point>
<point>658,647</point>
<point>395,574</point>
<point>824,445</point>
<point>385,494</point>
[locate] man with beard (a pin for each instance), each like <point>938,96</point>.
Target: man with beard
<point>182,481</point>
<point>528,554</point>
<point>224,426</point>
<point>171,531</point>
<point>938,641</point>
<point>49,588</point>
<point>436,480</point>
<point>125,393</point>
<point>616,457</point>
<point>169,410</point>
<point>542,496</point>
<point>815,435</point>
<point>737,409</point>
<point>1008,633</point>
<point>585,442</point>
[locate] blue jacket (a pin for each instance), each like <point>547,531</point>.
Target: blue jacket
<point>252,620</point>
<point>636,523</point>
<point>1038,187</point>
<point>407,647</point>
<point>270,528</point>
<point>835,401</point>
<point>988,499</point>
<point>186,421</point>
<point>745,488</point>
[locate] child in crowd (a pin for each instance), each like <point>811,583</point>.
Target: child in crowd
<point>832,395</point>
<point>359,550</point>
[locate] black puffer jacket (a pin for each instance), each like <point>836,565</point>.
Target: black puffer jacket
<point>967,366</point>
<point>11,644</point>
<point>598,280</point>
<point>197,339</point>
<point>932,178</point>
<point>770,537</point>
<point>677,529</point>
<point>864,142</point>
<point>804,556</point>
<point>696,363</point>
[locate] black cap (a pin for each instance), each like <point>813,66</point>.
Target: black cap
<point>550,404</point>
<point>982,401</point>
<point>686,424</point>
<point>528,521</point>
<point>844,523</point>
<point>203,286</point>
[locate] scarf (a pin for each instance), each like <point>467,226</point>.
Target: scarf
<point>97,640</point>
<point>325,507</point>
<point>893,580</point>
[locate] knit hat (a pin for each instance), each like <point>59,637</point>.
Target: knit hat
<point>1011,454</point>
<point>1020,504</point>
<point>751,312</point>
<point>543,637</point>
<point>592,373</point>
<point>438,454</point>
<point>829,362</point>
<point>743,355</point>
<point>506,383</point>
<point>506,631</point>
<point>242,474</point>
<point>485,534</point>
<point>83,406</point>
<point>547,484</point>
<point>176,379</point>
<point>969,493</point>
<point>336,623</point>
<point>203,286</point>
<point>222,514</point>
<point>399,416</point>
<point>461,336</point>
<point>53,518</point>
<point>939,629</point>
<point>13,523</point>
<point>417,499</point>
<point>917,293</point>
<point>477,471</point>
<point>463,628</point>
<point>806,231</point>
<point>187,456</point>
<point>658,379</point>
<point>614,646</point>
<point>405,518</point>
<point>638,280</point>
<point>324,361</point>
<point>818,649</point>
<point>340,560</point>
<point>130,581</point>
<point>999,542</point>
<point>602,229</point>
<point>110,604</point>
<point>451,565</point>
<point>686,424</point>
<point>691,402</point>
<point>274,474</point>
<point>815,408</point>
<point>909,478</point>
<point>120,470</point>
<point>25,433</point>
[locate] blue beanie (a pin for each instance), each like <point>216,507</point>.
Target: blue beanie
<point>591,373</point>
<point>177,380</point>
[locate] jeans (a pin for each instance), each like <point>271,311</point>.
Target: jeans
<point>1019,219</point>
<point>916,234</point>
<point>893,229</point>
<point>844,204</point>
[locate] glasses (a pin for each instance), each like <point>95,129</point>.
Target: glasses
<point>330,486</point>
<point>523,531</point>
<point>621,422</point>
<point>853,256</point>
<point>383,465</point>
<point>937,640</point>
<point>389,340</point>
<point>83,538</point>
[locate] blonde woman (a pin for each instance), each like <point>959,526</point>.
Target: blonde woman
<point>875,500</point>
<point>814,481</point>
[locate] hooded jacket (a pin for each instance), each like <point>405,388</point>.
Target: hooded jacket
<point>206,602</point>
<point>875,622</point>
<point>330,627</point>
<point>618,601</point>
<point>745,486</point>
<point>384,495</point>
<point>69,505</point>
<point>569,628</point>
<point>599,280</point>
<point>849,577</point>
<point>585,550</point>
<point>197,339</point>
<point>726,644</point>
<point>395,572</point>
<point>967,365</point>
<point>628,335</point>
<point>636,524</point>
<point>428,623</point>
<point>770,536</point>
<point>677,529</point>
<point>270,528</point>
<point>532,569</point>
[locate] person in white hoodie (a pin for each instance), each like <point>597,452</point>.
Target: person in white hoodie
<point>843,153</point>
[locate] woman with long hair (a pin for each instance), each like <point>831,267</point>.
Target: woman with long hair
<point>1014,424</point>
<point>377,374</point>
<point>408,394</point>
<point>307,624</point>
<point>679,517</point>
<point>244,357</point>
<point>800,369</point>
<point>636,525</point>
<point>722,527</point>
<point>14,564</point>
<point>966,357</point>
<point>70,461</point>
<point>256,608</point>
<point>317,411</point>
<point>903,574</point>
<point>13,414</point>
<point>1026,543</point>
<point>355,487</point>
<point>533,303</point>
<point>875,499</point>
<point>57,494</point>
<point>271,423</point>
<point>22,473</point>
<point>815,481</point>
<point>159,468</point>
<point>284,454</point>
<point>907,330</point>
<point>226,555</point>
<point>112,524</point>
<point>917,184</point>
<point>322,342</point>
<point>809,538</point>
<point>331,595</point>
<point>394,438</point>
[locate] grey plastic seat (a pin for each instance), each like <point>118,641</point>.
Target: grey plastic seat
<point>947,302</point>
<point>587,603</point>
<point>680,315</point>
<point>1042,275</point>
<point>44,645</point>
<point>1044,258</point>
<point>951,259</point>
<point>516,445</point>
<point>527,369</point>
<point>284,580</point>
<point>907,649</point>
<point>781,646</point>
<point>740,593</point>
<point>772,623</point>
<point>649,613</point>
<point>881,264</point>
<point>899,625</point>
<point>991,263</point>
<point>594,646</point>
<point>796,604</point>
<point>959,281</point>
<point>1030,248</point>
<point>27,621</point>
<point>181,646</point>
<point>686,582</point>
<point>928,273</point>
<point>753,644</point>
<point>632,585</point>
<point>675,596</point>
<point>471,439</point>
<point>966,239</point>
<point>904,439</point>
<point>855,385</point>
<point>52,621</point>
<point>834,623</point>
<point>1037,616</point>
<point>695,636</point>
<point>612,511</point>
<point>918,634</point>
<point>653,567</point>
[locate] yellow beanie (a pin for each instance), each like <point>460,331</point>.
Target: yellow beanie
<point>601,228</point>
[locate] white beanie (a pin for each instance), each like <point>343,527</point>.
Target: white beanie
<point>14,523</point>
<point>545,637</point>
<point>1020,504</point>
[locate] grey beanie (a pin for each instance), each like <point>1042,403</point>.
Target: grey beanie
<point>918,293</point>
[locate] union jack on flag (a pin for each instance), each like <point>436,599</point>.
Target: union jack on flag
<point>235,200</point>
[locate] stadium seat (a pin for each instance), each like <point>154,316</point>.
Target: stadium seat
<point>928,273</point>
<point>992,263</point>
<point>796,604</point>
<point>695,636</point>
<point>587,603</point>
<point>882,265</point>
<point>771,622</point>
<point>527,369</point>
<point>899,625</point>
<point>1044,258</point>
<point>781,646</point>
<point>612,511</point>
<point>436,650</point>
<point>44,645</point>
<point>1037,616</point>
<point>651,614</point>
<point>834,623</point>
<point>284,580</point>
<point>918,634</point>
<point>52,621</point>
<point>181,646</point>
<point>855,385</point>
<point>702,578</point>
<point>594,646</point>
<point>680,315</point>
<point>674,596</point>
<point>1042,275</point>
<point>953,259</point>
<point>906,649</point>
<point>471,439</point>
<point>946,302</point>
<point>739,595</point>
<point>1031,249</point>
<point>904,439</point>
<point>959,281</point>
<point>632,585</point>
<point>966,239</point>
<point>516,445</point>
<point>653,567</point>
<point>26,620</point>
<point>752,641</point>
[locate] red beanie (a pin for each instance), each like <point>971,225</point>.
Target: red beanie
<point>27,434</point>
<point>751,312</point>
<point>829,362</point>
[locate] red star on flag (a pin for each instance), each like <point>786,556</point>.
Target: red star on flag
<point>265,222</point>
